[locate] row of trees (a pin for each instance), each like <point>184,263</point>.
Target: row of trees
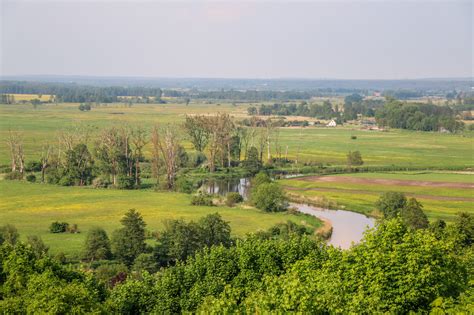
<point>67,92</point>
<point>115,155</point>
<point>176,242</point>
<point>394,269</point>
<point>354,105</point>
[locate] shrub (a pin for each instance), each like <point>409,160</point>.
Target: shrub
<point>353,137</point>
<point>33,166</point>
<point>196,159</point>
<point>84,107</point>
<point>58,227</point>
<point>111,273</point>
<point>14,176</point>
<point>31,178</point>
<point>202,200</point>
<point>125,182</point>
<point>66,180</point>
<point>73,229</point>
<point>97,245</point>
<point>260,178</point>
<point>232,198</point>
<point>183,185</point>
<point>145,262</point>
<point>269,197</point>
<point>5,168</point>
<point>101,182</point>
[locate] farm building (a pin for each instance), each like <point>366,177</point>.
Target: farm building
<point>332,123</point>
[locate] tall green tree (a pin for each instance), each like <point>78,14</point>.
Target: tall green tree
<point>391,204</point>
<point>214,230</point>
<point>197,131</point>
<point>79,165</point>
<point>413,215</point>
<point>354,158</point>
<point>97,245</point>
<point>129,241</point>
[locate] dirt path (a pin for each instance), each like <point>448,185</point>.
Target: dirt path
<point>358,191</point>
<point>382,181</point>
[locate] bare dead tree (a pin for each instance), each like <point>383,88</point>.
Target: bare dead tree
<point>12,142</point>
<point>45,159</point>
<point>17,154</point>
<point>139,138</point>
<point>269,130</point>
<point>70,137</point>
<point>109,151</point>
<point>220,134</point>
<point>165,142</point>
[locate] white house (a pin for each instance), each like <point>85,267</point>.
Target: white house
<point>332,123</point>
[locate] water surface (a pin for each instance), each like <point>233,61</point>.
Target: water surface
<point>348,226</point>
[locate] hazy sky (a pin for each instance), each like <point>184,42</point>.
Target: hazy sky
<point>251,39</point>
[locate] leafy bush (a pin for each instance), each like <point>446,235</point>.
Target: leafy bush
<point>111,273</point>
<point>31,178</point>
<point>202,200</point>
<point>196,159</point>
<point>58,227</point>
<point>183,185</point>
<point>84,107</point>
<point>353,137</point>
<point>145,262</point>
<point>269,197</point>
<point>260,178</point>
<point>33,166</point>
<point>14,176</point>
<point>232,198</point>
<point>125,182</point>
<point>101,182</point>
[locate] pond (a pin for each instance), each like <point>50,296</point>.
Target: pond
<point>223,186</point>
<point>348,226</point>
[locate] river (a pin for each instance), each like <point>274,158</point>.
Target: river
<point>347,226</point>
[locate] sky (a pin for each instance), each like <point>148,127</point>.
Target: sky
<point>238,39</point>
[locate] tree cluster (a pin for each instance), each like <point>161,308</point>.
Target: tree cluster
<point>414,116</point>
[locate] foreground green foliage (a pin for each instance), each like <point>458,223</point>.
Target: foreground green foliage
<point>395,269</point>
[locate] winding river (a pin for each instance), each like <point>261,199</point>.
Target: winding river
<point>347,226</point>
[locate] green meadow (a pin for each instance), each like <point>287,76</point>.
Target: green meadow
<point>439,202</point>
<point>315,144</point>
<point>32,207</point>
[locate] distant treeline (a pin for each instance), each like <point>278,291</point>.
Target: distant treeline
<point>74,93</point>
<point>354,105</point>
<point>260,95</point>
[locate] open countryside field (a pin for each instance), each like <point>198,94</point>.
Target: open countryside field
<point>33,207</point>
<point>443,194</point>
<point>29,97</point>
<point>319,145</point>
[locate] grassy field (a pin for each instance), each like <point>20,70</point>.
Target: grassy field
<point>29,97</point>
<point>33,207</point>
<point>442,194</point>
<point>325,145</point>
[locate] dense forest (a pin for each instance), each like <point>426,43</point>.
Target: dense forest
<point>198,267</point>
